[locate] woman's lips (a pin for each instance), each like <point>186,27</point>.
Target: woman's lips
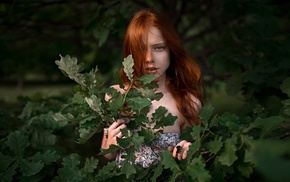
<point>151,70</point>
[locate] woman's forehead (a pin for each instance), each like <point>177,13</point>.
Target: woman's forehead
<point>154,36</point>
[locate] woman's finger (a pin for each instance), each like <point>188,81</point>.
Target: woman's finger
<point>184,155</point>
<point>119,135</point>
<point>114,132</point>
<point>180,151</point>
<point>116,123</point>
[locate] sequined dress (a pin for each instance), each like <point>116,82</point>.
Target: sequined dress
<point>147,155</point>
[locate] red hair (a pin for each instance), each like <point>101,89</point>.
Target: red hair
<point>183,74</point>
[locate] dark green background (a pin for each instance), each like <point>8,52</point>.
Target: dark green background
<point>243,44</point>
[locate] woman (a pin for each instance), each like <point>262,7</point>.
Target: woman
<point>157,49</point>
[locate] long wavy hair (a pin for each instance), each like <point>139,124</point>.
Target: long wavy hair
<point>183,76</point>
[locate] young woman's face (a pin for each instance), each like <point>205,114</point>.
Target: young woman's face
<point>157,56</point>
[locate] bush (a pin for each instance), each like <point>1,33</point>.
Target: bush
<point>36,144</point>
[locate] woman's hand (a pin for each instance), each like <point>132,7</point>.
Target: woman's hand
<point>113,132</point>
<point>180,153</point>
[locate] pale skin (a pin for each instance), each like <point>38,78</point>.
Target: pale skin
<point>158,60</point>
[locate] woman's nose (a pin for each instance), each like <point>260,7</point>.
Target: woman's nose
<point>149,56</point>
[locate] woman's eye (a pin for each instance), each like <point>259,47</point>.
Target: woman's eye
<point>159,48</point>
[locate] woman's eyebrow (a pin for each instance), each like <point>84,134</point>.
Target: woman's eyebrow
<point>157,44</point>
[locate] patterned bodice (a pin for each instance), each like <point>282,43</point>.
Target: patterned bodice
<point>147,155</point>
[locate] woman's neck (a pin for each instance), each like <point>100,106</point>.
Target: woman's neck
<point>162,84</point>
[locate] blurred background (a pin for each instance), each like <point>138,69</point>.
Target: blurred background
<point>242,46</point>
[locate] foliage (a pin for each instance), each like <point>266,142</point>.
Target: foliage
<point>29,148</point>
<point>225,147</point>
<point>253,52</point>
<point>243,43</point>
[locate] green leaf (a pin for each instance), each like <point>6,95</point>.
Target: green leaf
<point>249,149</point>
<point>169,162</point>
<point>142,173</point>
<point>168,120</point>
<point>218,172</point>
<point>28,110</point>
<point>286,108</point>
<point>228,155</point>
<point>128,168</point>
<point>246,169</point>
<point>9,173</point>
<point>116,102</point>
<point>29,168</point>
<point>215,145</point>
<point>235,83</point>
<point>147,93</point>
<point>271,159</point>
<point>249,156</point>
<point>161,119</point>
<point>196,171</point>
<point>43,137</point>
<point>145,79</point>
<point>94,81</point>
<point>106,172</point>
<point>124,142</point>
<point>157,172</point>
<point>206,113</point>
<point>137,140</point>
<point>59,117</point>
<point>112,148</point>
<point>47,157</point>
<point>101,33</point>
<point>138,103</point>
<point>5,161</point>
<point>267,124</point>
<point>17,142</point>
<point>195,134</point>
<point>128,67</point>
<point>86,134</point>
<point>70,171</point>
<point>78,98</point>
<point>231,121</point>
<point>90,165</point>
<point>196,131</point>
<point>285,86</point>
<point>48,121</point>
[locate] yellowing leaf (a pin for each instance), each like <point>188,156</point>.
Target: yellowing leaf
<point>128,67</point>
<point>71,67</point>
